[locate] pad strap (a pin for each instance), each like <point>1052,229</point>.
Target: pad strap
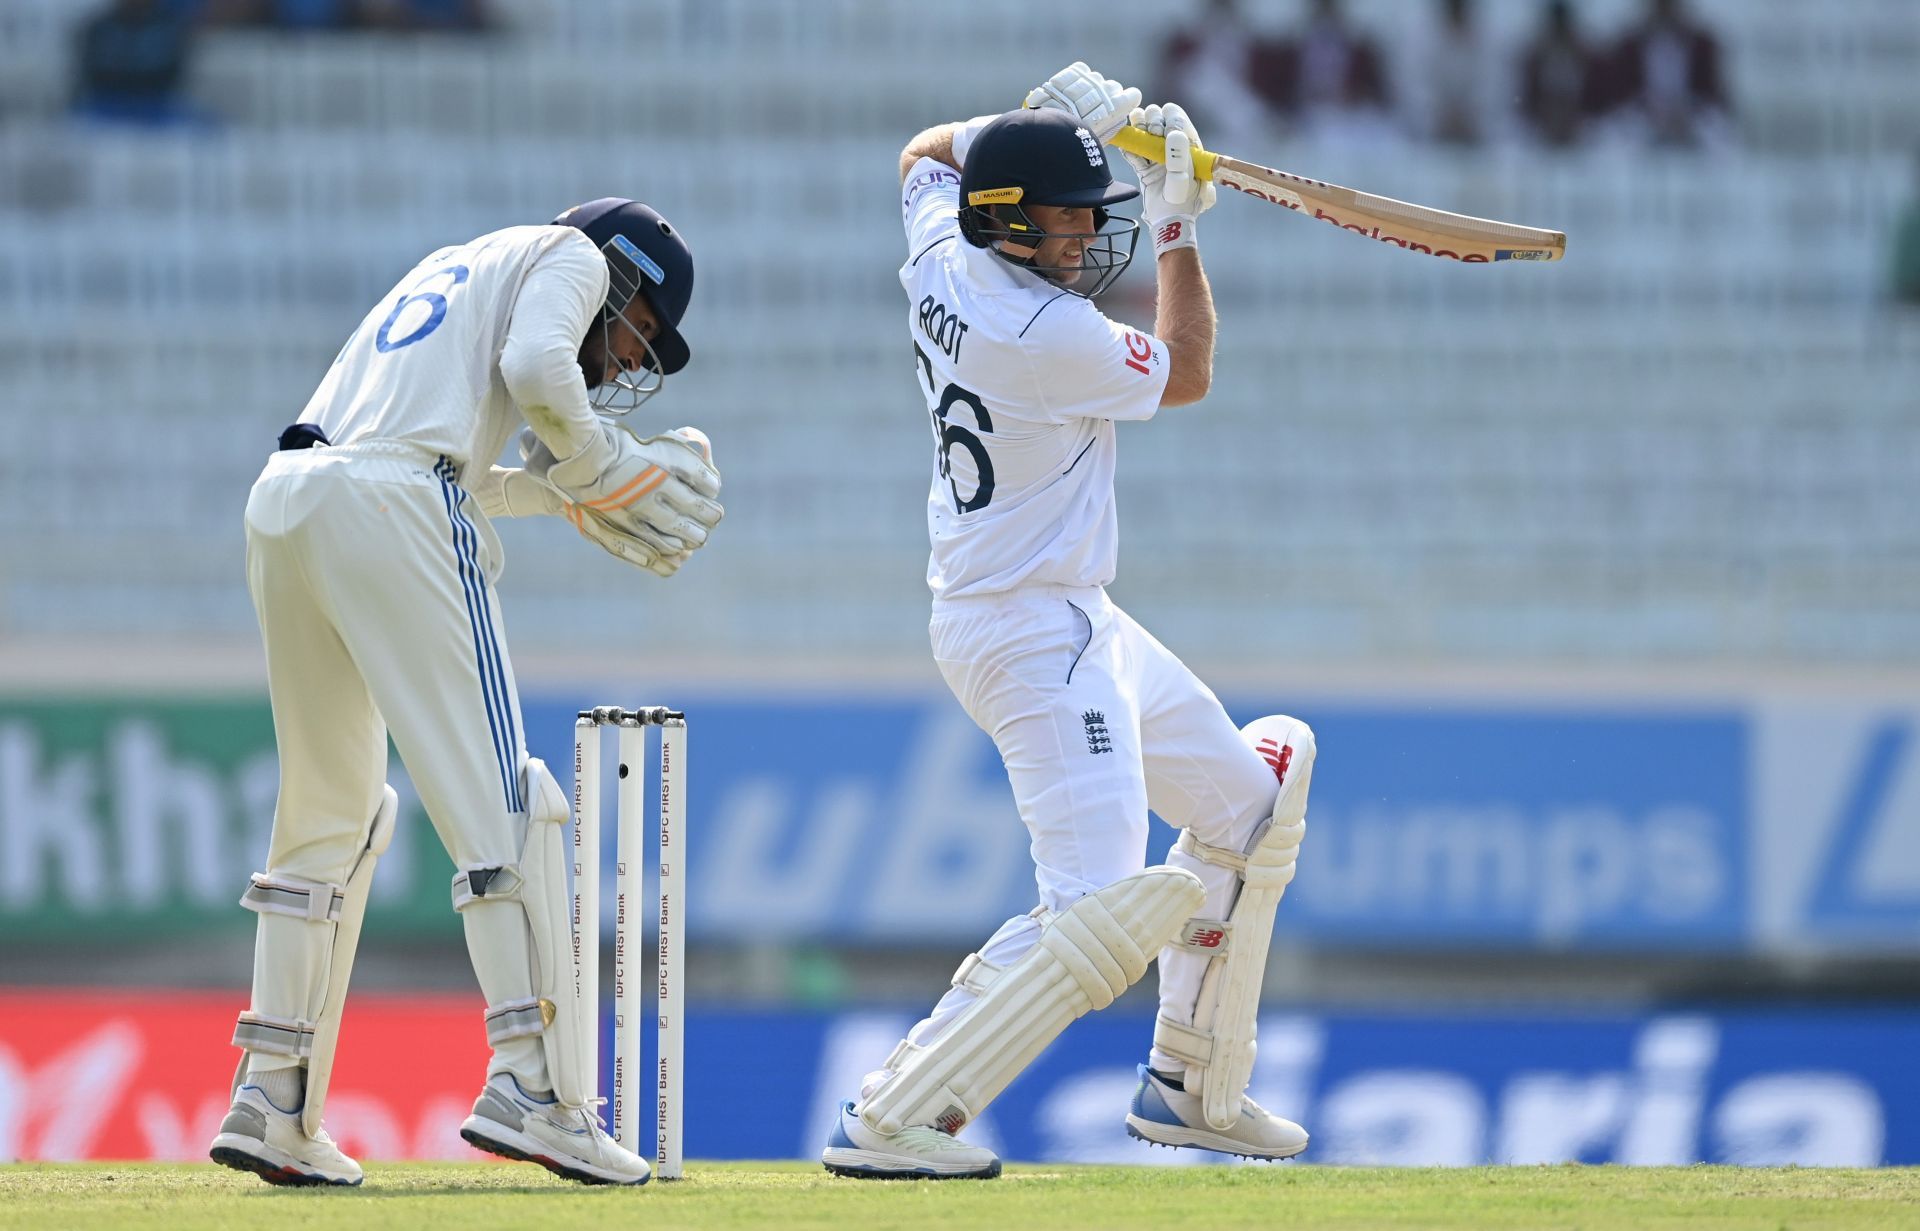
<point>1218,856</point>
<point>295,897</point>
<point>518,1019</point>
<point>273,1036</point>
<point>977,974</point>
<point>500,884</point>
<point>1183,1042</point>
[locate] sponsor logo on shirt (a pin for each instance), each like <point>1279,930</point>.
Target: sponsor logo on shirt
<point>1139,350</point>
<point>920,183</point>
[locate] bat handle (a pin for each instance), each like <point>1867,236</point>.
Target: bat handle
<point>1140,142</point>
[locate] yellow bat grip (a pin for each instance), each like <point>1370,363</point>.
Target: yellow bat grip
<point>1140,142</point>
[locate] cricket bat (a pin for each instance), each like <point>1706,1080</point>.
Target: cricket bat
<point>1416,228</point>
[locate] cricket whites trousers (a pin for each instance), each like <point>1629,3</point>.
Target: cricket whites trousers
<point>372,574</point>
<point>1097,722</point>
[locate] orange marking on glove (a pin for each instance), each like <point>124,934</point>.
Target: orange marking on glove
<point>643,483</point>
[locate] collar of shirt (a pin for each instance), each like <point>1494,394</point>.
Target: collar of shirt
<point>993,274</point>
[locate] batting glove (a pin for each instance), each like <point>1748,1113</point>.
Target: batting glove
<point>1101,103</point>
<point>1171,199</point>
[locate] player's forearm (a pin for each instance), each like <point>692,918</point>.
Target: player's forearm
<point>1185,321</point>
<point>944,143</point>
<point>540,359</point>
<point>935,143</point>
<point>546,384</point>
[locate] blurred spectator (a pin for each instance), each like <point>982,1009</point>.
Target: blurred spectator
<point>1455,92</point>
<point>358,14</point>
<point>423,14</point>
<point>1665,75</point>
<point>1332,75</point>
<point>293,14</point>
<point>1559,79</point>
<point>131,63</point>
<point>1906,248</point>
<point>1212,66</point>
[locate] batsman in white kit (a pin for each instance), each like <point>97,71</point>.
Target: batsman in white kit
<point>372,563</point>
<point>1009,239</point>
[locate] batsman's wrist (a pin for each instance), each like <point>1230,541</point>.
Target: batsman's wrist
<point>1174,231</point>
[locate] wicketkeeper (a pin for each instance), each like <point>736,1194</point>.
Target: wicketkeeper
<point>372,566</point>
<point>1009,238</point>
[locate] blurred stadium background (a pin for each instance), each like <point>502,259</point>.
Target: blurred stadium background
<point>1600,582</point>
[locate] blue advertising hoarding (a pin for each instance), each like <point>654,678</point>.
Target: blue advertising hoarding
<point>889,821</point>
<point>1773,1087</point>
<point>1774,827</point>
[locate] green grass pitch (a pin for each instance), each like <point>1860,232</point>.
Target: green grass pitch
<point>799,1196</point>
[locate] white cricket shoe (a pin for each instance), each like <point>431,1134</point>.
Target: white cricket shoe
<point>1165,1114</point>
<point>913,1153</point>
<point>256,1136</point>
<point>570,1142</point>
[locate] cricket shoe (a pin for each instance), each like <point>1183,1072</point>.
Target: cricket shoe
<point>1165,1114</point>
<point>257,1136</point>
<point>914,1153</point>
<point>570,1142</point>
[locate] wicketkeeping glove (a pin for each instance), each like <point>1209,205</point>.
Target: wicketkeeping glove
<point>662,490</point>
<point>504,492</point>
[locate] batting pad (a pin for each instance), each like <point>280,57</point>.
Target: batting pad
<point>520,935</point>
<point>346,939</point>
<point>1219,1046</point>
<point>284,949</point>
<point>1085,956</point>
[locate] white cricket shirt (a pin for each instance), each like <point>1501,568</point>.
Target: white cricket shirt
<point>1024,382</point>
<point>473,339</point>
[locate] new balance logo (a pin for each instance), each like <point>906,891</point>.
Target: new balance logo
<point>1169,233</point>
<point>1098,739</point>
<point>1278,755</point>
<point>1208,938</point>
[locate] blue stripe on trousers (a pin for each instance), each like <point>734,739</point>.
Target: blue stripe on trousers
<point>469,577</point>
<point>492,658</point>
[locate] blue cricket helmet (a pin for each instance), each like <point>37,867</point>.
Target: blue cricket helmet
<point>645,256</point>
<point>1045,157</point>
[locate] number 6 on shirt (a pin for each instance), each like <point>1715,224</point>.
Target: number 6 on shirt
<point>947,435</point>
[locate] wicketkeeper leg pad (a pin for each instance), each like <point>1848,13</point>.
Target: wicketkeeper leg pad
<point>520,936</point>
<point>1218,1047</point>
<point>308,929</point>
<point>1085,956</point>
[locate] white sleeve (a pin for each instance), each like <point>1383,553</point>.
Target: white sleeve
<point>930,204</point>
<point>1089,367</point>
<point>964,135</point>
<point>540,362</point>
<point>930,199</point>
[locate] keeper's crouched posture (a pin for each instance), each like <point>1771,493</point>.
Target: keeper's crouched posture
<point>372,564</point>
<point>1009,238</point>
